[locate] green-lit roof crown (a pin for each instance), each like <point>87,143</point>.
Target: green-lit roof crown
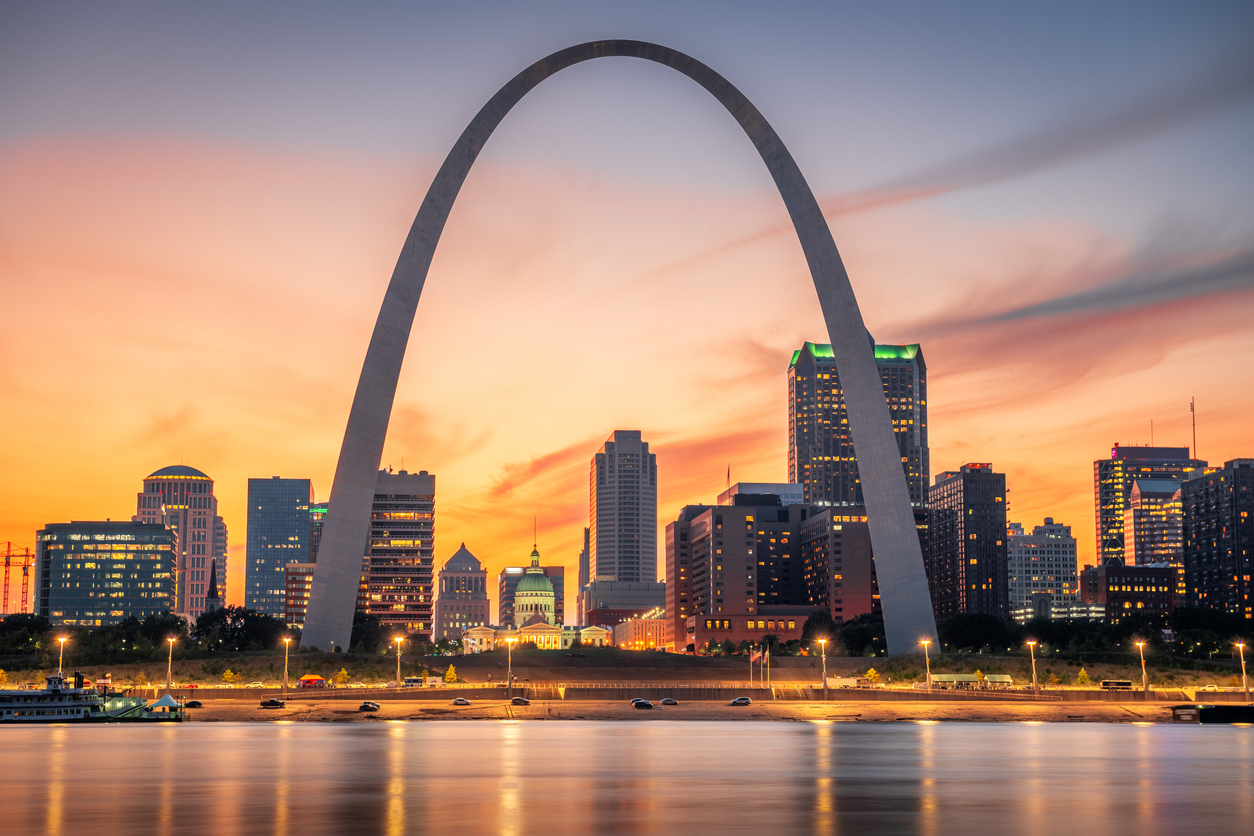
<point>823,351</point>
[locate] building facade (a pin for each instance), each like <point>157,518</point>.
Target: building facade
<point>297,581</point>
<point>278,534</point>
<point>95,574</point>
<point>1113,479</point>
<point>317,515</point>
<point>181,498</point>
<point>641,634</point>
<point>462,601</point>
<point>820,446</point>
<point>622,510</point>
<point>789,493</point>
<point>1136,590</point>
<point>534,599</point>
<point>507,585</point>
<point>1218,531</point>
<point>397,576</point>
<point>1042,567</point>
<point>967,557</point>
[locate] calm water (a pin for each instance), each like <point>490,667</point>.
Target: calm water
<point>634,777</point>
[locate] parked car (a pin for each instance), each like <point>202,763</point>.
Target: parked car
<point>356,685</point>
<point>669,701</point>
<point>368,706</point>
<point>741,701</point>
<point>193,704</point>
<point>1209,688</point>
<point>641,704</point>
<point>254,685</point>
<point>638,699</point>
<point>273,703</point>
<point>461,701</point>
<point>520,701</point>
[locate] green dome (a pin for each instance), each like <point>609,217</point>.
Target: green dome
<point>534,582</point>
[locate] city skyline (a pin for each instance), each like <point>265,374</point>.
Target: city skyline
<point>1025,370</point>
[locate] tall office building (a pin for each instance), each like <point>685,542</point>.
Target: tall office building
<point>622,510</point>
<point>820,447</point>
<point>1153,528</point>
<point>317,515</point>
<point>298,581</point>
<point>278,534</point>
<point>1218,523</point>
<point>95,574</point>
<point>585,563</point>
<point>1112,487</point>
<point>1042,569</point>
<point>397,573</point>
<point>462,601</point>
<point>967,566</point>
<point>181,498</point>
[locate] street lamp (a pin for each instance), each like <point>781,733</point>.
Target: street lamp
<point>398,641</point>
<point>1144,676</point>
<point>927,660</point>
<point>1032,650</point>
<point>509,671</point>
<point>287,644</point>
<point>61,659</point>
<point>1245,683</point>
<point>823,650</point>
<point>169,664</point>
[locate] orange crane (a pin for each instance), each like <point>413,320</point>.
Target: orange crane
<point>27,558</point>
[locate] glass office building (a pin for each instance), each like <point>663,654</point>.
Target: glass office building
<point>278,534</point>
<point>95,574</point>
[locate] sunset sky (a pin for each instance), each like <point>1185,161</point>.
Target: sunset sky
<point>201,205</point>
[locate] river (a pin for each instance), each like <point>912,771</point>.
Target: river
<point>554,778</point>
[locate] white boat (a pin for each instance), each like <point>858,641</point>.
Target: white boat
<point>61,701</point>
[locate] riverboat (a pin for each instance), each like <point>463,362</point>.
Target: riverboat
<point>63,702</point>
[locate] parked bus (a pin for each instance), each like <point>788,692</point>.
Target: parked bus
<point>1116,684</point>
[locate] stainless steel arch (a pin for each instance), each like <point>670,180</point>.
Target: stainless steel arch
<point>907,605</point>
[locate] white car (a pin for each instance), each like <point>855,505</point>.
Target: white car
<point>254,685</point>
<point>356,685</point>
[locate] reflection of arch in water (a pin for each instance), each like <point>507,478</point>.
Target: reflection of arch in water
<point>899,565</point>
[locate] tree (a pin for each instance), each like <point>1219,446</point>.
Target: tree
<point>368,635</point>
<point>819,625</point>
<point>141,679</point>
<point>979,676</point>
<point>744,647</point>
<point>450,675</point>
<point>4,677</point>
<point>728,647</point>
<point>873,675</point>
<point>240,629</point>
<point>711,647</point>
<point>341,676</point>
<point>230,676</point>
<point>863,635</point>
<point>976,630</point>
<point>1082,678</point>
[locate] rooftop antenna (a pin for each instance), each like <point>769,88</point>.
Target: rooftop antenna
<point>1193,415</point>
<point>534,537</point>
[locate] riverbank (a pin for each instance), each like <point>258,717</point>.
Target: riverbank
<point>336,711</point>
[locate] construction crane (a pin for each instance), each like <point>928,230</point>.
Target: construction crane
<point>27,558</point>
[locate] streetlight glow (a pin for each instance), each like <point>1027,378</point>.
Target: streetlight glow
<point>927,661</point>
<point>823,649</point>
<point>1032,649</point>
<point>398,641</point>
<point>1140,646</point>
<point>61,659</point>
<point>287,644</point>
<point>1245,683</point>
<point>169,664</point>
<point>509,670</point>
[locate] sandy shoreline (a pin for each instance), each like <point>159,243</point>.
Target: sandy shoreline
<point>864,712</point>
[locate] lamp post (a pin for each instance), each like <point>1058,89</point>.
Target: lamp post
<point>61,658</point>
<point>287,644</point>
<point>1032,649</point>
<point>751,646</point>
<point>823,651</point>
<point>398,641</point>
<point>169,664</point>
<point>927,660</point>
<point>1140,646</point>
<point>1245,683</point>
<point>509,670</point>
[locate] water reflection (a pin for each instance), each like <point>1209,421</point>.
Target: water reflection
<point>641,777</point>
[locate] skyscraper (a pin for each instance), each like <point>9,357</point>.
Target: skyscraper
<point>463,597</point>
<point>820,447</point>
<point>1112,487</point>
<point>278,534</point>
<point>1218,522</point>
<point>398,570</point>
<point>95,574</point>
<point>622,510</point>
<point>967,564</point>
<point>507,586</point>
<point>1042,568</point>
<point>181,498</point>
<point>317,514</point>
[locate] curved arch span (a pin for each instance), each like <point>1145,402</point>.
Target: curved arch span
<point>903,587</point>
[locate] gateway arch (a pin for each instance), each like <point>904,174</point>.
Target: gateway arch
<point>907,606</point>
